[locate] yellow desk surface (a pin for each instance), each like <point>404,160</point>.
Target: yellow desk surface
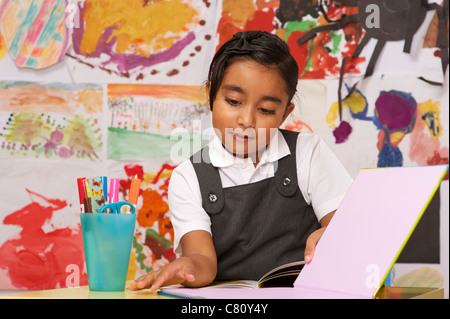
<point>83,292</point>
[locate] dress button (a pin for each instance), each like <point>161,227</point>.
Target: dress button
<point>212,198</point>
<point>286,181</point>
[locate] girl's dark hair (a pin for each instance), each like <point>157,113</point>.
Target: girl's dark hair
<point>263,47</point>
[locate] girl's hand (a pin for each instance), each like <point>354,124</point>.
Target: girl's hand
<point>177,272</point>
<point>197,267</point>
<point>313,239</point>
<point>311,243</point>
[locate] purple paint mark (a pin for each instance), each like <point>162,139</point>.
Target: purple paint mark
<point>342,132</point>
<point>396,111</point>
<point>127,62</point>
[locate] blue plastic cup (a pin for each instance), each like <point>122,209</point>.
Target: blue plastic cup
<point>107,240</point>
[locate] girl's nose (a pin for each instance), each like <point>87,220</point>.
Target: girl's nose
<point>246,117</point>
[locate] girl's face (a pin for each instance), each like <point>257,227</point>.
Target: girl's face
<point>251,101</point>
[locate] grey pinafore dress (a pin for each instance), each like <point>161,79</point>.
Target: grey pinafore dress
<point>258,226</point>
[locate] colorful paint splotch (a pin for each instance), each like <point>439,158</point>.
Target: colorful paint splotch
<point>396,114</point>
<point>138,40</point>
<point>322,56</point>
<point>3,48</point>
<point>152,244</point>
<point>35,32</point>
<point>298,126</point>
<point>141,119</point>
<point>36,259</point>
<point>51,120</point>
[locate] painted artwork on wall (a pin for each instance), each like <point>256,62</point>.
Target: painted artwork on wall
<point>142,120</point>
<point>3,49</point>
<point>164,42</point>
<point>142,141</point>
<point>41,245</point>
<point>152,243</point>
<point>35,32</point>
<point>390,121</point>
<point>40,255</point>
<point>53,120</point>
<point>320,57</point>
<point>51,133</point>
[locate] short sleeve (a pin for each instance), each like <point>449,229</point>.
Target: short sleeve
<point>185,204</point>
<point>323,179</point>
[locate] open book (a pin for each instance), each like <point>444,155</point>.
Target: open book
<point>362,241</point>
<point>281,276</point>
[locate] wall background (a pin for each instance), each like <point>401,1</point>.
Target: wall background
<point>101,97</point>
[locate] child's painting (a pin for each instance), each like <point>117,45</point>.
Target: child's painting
<point>143,119</point>
<point>319,58</point>
<point>35,32</point>
<point>139,41</point>
<point>152,243</point>
<point>41,245</point>
<point>51,121</point>
<point>389,121</point>
<point>152,128</point>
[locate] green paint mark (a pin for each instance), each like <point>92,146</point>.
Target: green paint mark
<point>126,145</point>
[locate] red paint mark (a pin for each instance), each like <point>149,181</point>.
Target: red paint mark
<point>300,53</point>
<point>298,126</point>
<point>38,260</point>
<point>381,136</point>
<point>163,168</point>
<point>263,21</point>
<point>133,170</point>
<point>227,29</point>
<point>173,72</point>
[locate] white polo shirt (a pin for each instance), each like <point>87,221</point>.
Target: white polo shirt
<point>322,179</point>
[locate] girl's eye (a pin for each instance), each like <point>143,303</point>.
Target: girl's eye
<point>266,111</point>
<point>232,102</point>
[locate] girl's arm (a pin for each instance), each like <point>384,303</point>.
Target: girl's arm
<point>196,268</point>
<point>313,239</point>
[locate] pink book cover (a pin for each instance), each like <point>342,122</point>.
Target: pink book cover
<point>369,230</point>
<point>362,241</point>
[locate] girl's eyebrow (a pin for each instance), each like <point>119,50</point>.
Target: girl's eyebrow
<point>234,88</point>
<point>238,89</point>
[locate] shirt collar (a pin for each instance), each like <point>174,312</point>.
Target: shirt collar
<point>220,157</point>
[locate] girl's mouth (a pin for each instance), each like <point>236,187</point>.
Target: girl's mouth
<point>241,138</point>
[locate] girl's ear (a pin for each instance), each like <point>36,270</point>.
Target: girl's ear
<point>288,111</point>
<point>207,89</point>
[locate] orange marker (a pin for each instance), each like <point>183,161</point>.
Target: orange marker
<point>134,191</point>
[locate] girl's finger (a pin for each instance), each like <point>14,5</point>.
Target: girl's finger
<point>174,276</point>
<point>143,282</point>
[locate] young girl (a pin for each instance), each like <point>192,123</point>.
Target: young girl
<point>256,197</point>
